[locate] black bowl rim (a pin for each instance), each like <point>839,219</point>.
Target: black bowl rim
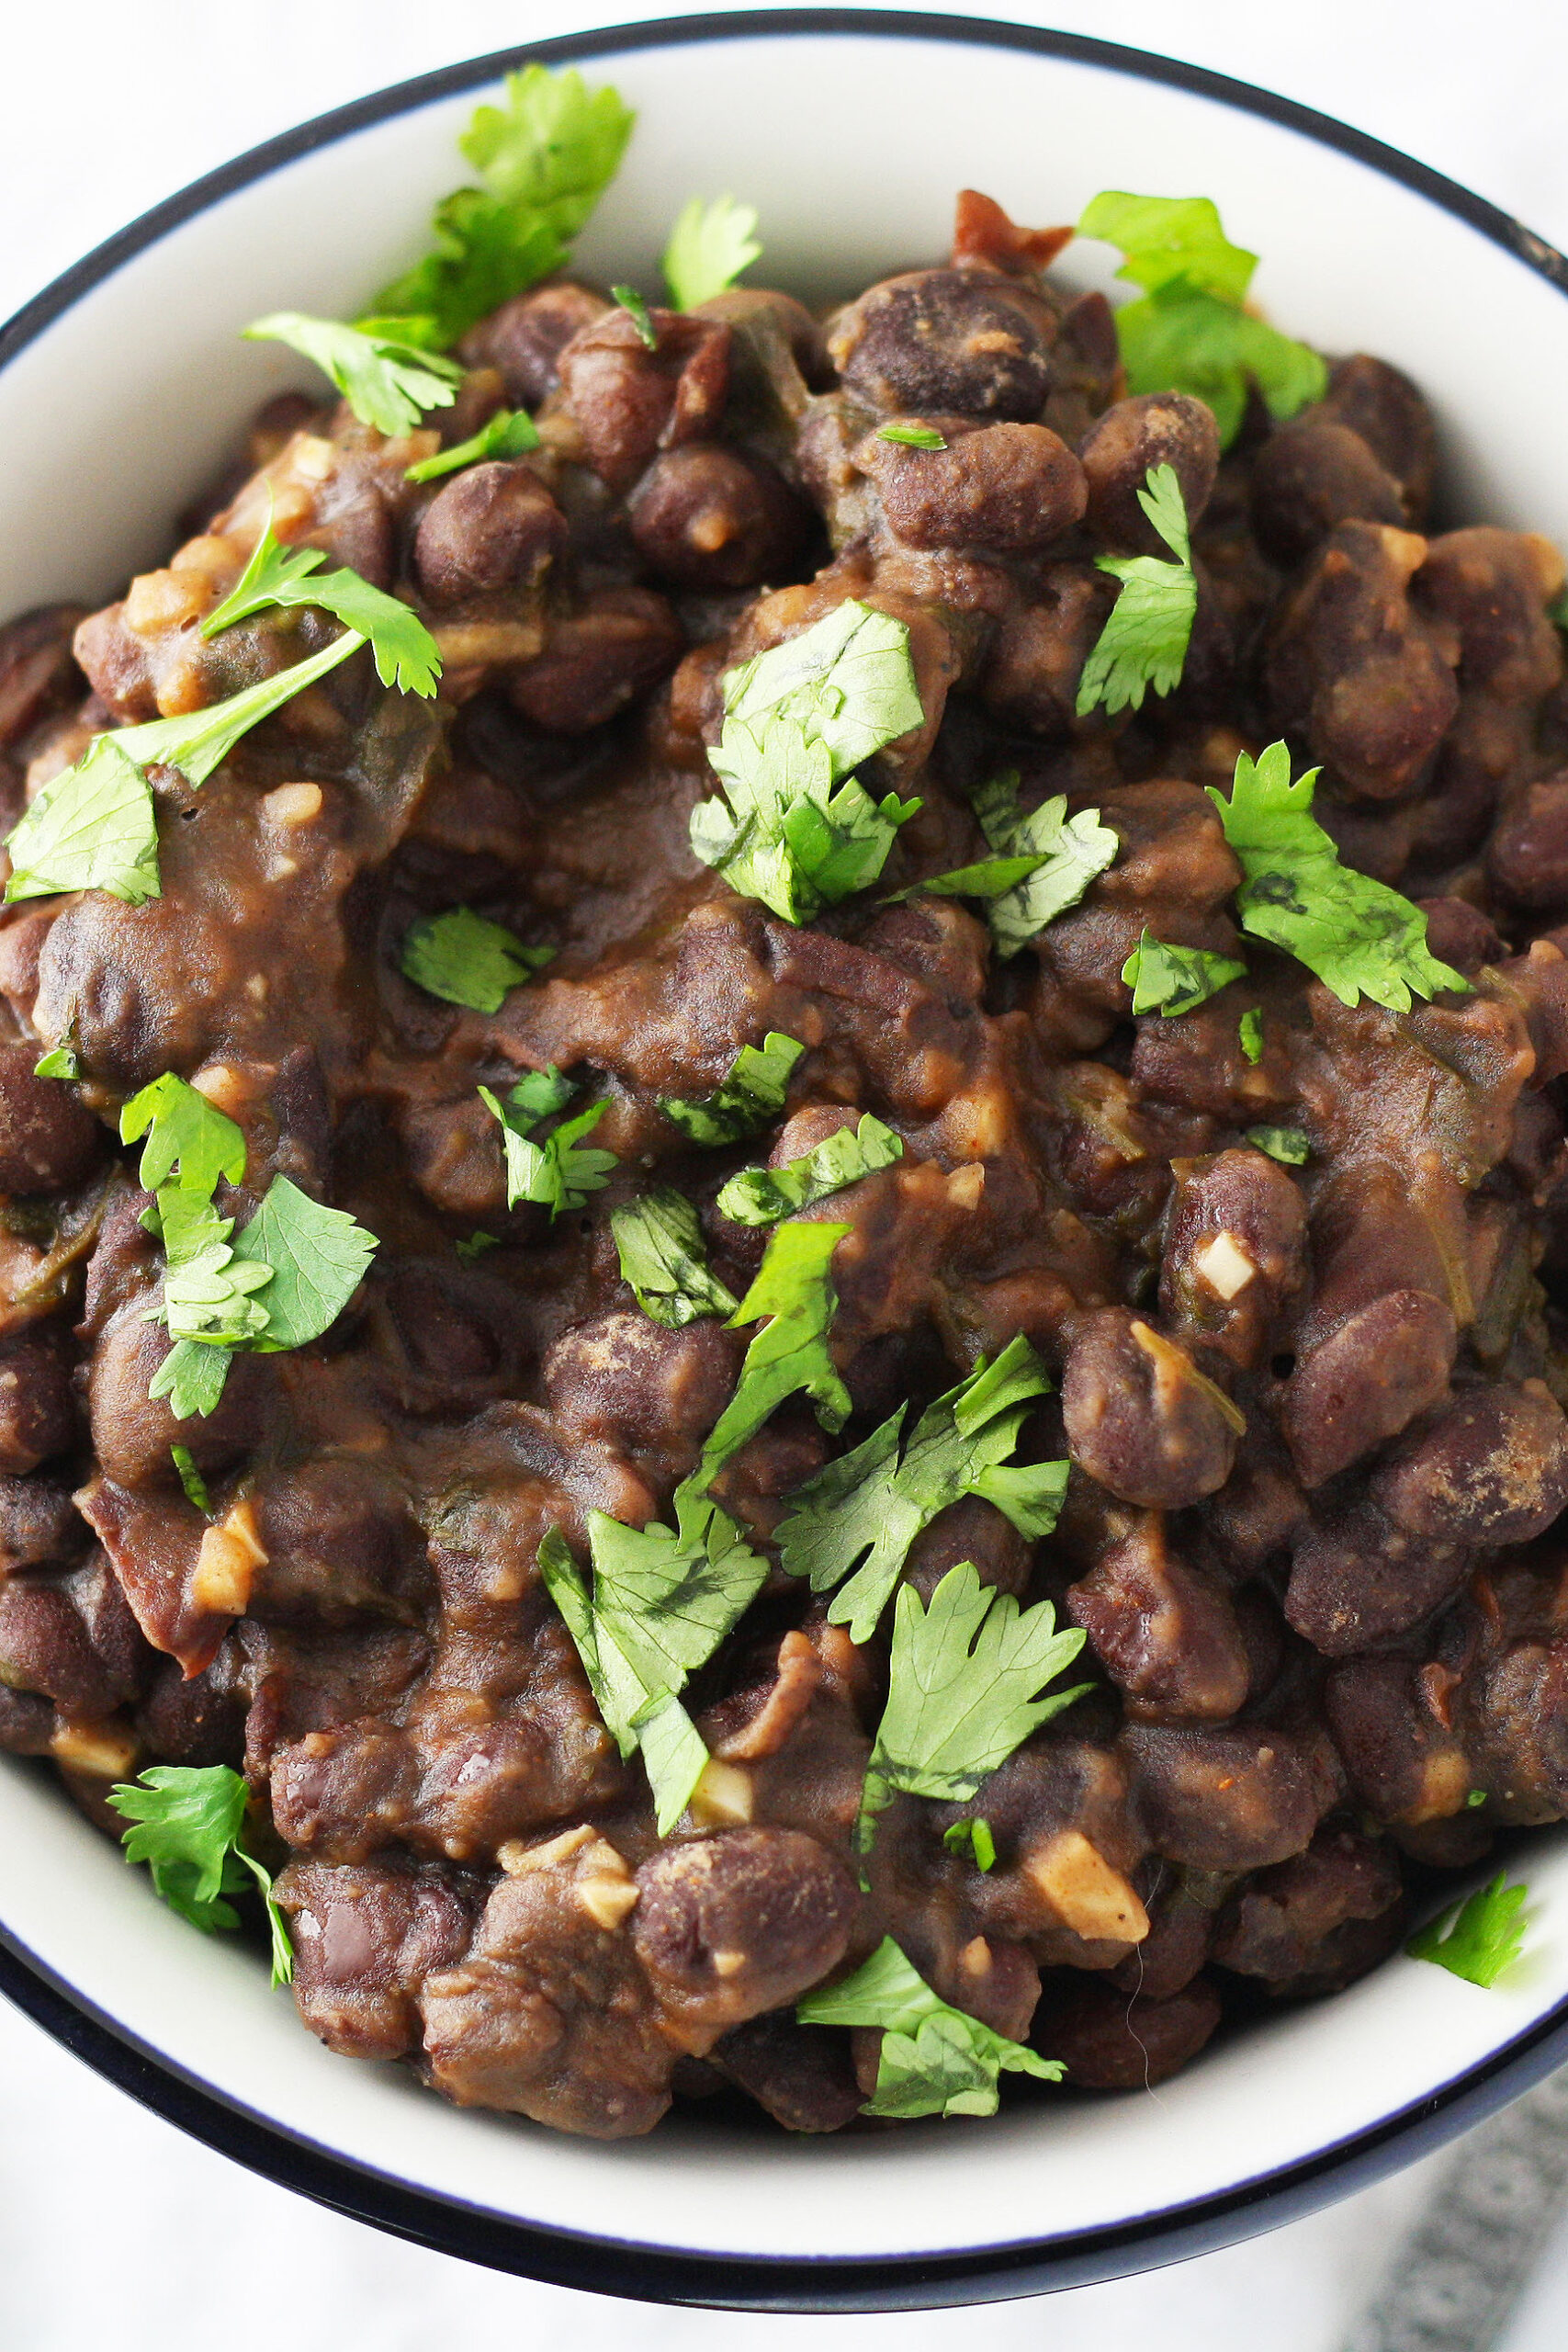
<point>594,2263</point>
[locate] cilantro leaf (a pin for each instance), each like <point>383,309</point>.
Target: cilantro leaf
<point>405,653</point>
<point>912,436</point>
<point>934,2060</point>
<point>192,1377</point>
<point>60,1061</point>
<point>747,1098</point>
<point>388,382</point>
<point>795,834</point>
<point>545,158</point>
<point>1360,937</point>
<point>1070,850</point>
<point>1484,1936</point>
<point>551,1170</point>
<point>1189,332</point>
<point>208,1291</point>
<point>988,878</point>
<point>662,1599</point>
<point>1144,640</point>
<point>475,1245</point>
<point>965,1678</point>
<point>789,1355</point>
<point>709,246</point>
<point>464,959</point>
<point>972,1836</point>
<point>762,1195</point>
<point>510,432</point>
<point>1249,1030</point>
<point>187,1824</point>
<point>184,1130</point>
<point>1287,1145</point>
<point>636,309</point>
<point>92,827</point>
<point>862,1512</point>
<point>659,1239</point>
<point>317,1257</point>
<point>538,1092</point>
<point>191,1479</point>
<point>1172,980</point>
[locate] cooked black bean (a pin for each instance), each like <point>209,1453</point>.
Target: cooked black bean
<point>709,516</point>
<point>491,526</point>
<point>1140,1418</point>
<point>1122,446</point>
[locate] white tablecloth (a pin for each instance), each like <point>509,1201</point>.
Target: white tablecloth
<point>115,2232</point>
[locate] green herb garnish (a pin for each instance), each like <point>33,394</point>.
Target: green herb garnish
<point>1068,852</point>
<point>1357,935</point>
<point>636,309</point>
<point>60,1061</point>
<point>1144,642</point>
<point>553,1171</point>
<point>1249,1030</point>
<point>510,432</point>
<point>464,959</point>
<point>191,1479</point>
<point>659,1239</point>
<point>789,1356</point>
<point>188,1826</point>
<point>388,382</point>
<point>1287,1145</point>
<point>912,436</point>
<point>762,1195</point>
<point>973,1837</point>
<point>1173,981</point>
<point>405,654</point>
<point>1484,1936</point>
<point>709,246</point>
<point>934,2060</point>
<point>749,1095</point>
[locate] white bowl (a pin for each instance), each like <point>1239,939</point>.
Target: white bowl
<point>121,390</point>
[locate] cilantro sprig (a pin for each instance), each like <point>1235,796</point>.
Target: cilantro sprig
<point>641,317</point>
<point>1172,980</point>
<point>660,1602</point>
<point>1145,637</point>
<point>797,831</point>
<point>709,246</point>
<point>95,828</point>
<point>188,1824</point>
<point>934,2059</point>
<point>544,159</point>
<point>788,1357</point>
<point>1477,1938</point>
<point>856,1519</point>
<point>966,1679</point>
<point>751,1093</point>
<point>1289,1146</point>
<point>1360,936</point>
<point>912,436</point>
<point>1066,854</point>
<point>1189,332</point>
<point>762,1195</point>
<point>188,1136</point>
<point>556,1170</point>
<point>510,432</point>
<point>405,654</point>
<point>466,959</point>
<point>659,1239</point>
<point>388,381</point>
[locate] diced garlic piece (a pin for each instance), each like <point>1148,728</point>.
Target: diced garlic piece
<point>1224,1265</point>
<point>105,1751</point>
<point>608,1900</point>
<point>722,1798</point>
<point>1090,1897</point>
<point>517,1859</point>
<point>292,804</point>
<point>227,1564</point>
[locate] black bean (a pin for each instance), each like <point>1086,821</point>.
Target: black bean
<point>49,1140</point>
<point>1366,1381</point>
<point>525,337</point>
<point>1493,1468</point>
<point>598,659</point>
<point>1120,448</point>
<point>1013,488</point>
<point>947,339</point>
<point>744,1921</point>
<point>1141,1419</point>
<point>37,1405</point>
<point>707,516</point>
<point>491,526</point>
<point>1110,2043</point>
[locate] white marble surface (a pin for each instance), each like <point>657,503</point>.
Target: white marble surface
<point>114,2229</point>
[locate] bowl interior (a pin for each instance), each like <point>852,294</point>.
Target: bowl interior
<point>852,146</point>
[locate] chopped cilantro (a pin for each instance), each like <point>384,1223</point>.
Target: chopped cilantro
<point>659,1239</point>
<point>747,1098</point>
<point>862,1512</point>
<point>510,432</point>
<point>92,827</point>
<point>1172,980</point>
<point>1285,1144</point>
<point>544,158</point>
<point>191,1479</point>
<point>552,1170</point>
<point>973,1837</point>
<point>208,1291</point>
<point>709,246</point>
<point>663,1599</point>
<point>464,959</point>
<point>192,1376</point>
<point>388,381</point>
<point>965,1678</point>
<point>317,1257</point>
<point>1483,1935</point>
<point>1144,642</point>
<point>188,1826</point>
<point>1249,1029</point>
<point>475,1245</point>
<point>934,2059</point>
<point>988,878</point>
<point>405,653</point>
<point>636,309</point>
<point>799,831</point>
<point>184,1131</point>
<point>1069,851</point>
<point>1475,1797</point>
<point>762,1195</point>
<point>789,1355</point>
<point>1360,937</point>
<point>1189,332</point>
<point>60,1061</point>
<point>912,436</point>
